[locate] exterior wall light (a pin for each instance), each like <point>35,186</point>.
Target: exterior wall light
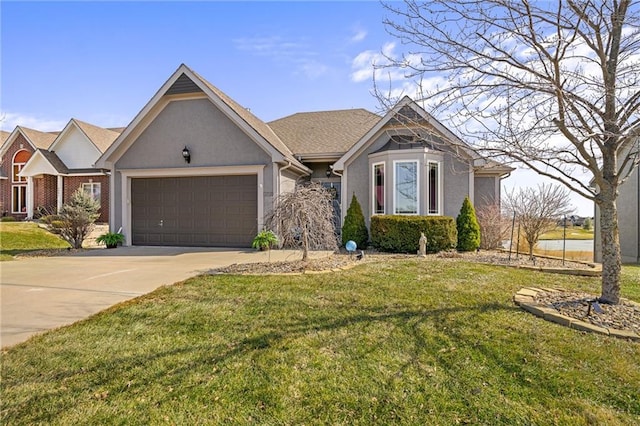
<point>186,154</point>
<point>329,171</point>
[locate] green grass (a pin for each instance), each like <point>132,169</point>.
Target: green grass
<point>22,237</point>
<point>573,233</point>
<point>398,342</point>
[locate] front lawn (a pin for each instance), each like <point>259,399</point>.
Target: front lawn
<point>400,342</point>
<point>22,237</point>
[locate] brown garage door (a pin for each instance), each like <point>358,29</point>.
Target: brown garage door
<point>203,211</point>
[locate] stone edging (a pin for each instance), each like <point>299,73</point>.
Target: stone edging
<point>525,298</point>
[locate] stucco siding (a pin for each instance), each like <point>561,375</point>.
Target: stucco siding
<point>212,138</point>
<point>76,151</point>
<point>628,218</point>
<point>455,185</point>
<point>485,190</point>
<point>628,221</point>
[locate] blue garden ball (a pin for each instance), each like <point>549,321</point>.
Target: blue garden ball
<point>351,245</point>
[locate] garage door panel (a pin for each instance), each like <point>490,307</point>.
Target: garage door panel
<point>194,211</point>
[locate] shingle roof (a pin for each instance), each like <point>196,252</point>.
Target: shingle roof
<point>324,132</point>
<point>54,160</point>
<point>3,136</point>
<point>258,125</point>
<point>101,137</point>
<point>39,139</point>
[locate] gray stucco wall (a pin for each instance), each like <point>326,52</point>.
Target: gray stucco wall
<point>628,221</point>
<point>455,185</point>
<point>212,138</point>
<point>485,190</point>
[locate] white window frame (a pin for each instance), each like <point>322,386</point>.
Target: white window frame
<point>19,190</point>
<point>395,184</point>
<point>374,188</point>
<point>88,188</point>
<point>438,189</point>
<point>20,166</point>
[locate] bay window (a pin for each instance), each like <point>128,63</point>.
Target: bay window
<point>406,187</point>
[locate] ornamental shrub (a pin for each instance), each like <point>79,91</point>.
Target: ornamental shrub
<point>76,218</point>
<point>401,234</point>
<point>468,228</point>
<point>354,227</point>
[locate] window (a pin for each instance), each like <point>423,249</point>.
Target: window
<point>434,188</point>
<point>406,187</point>
<point>378,188</point>
<point>92,189</point>
<point>19,199</point>
<point>19,160</point>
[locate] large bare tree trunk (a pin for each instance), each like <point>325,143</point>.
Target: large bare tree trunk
<point>611,264</point>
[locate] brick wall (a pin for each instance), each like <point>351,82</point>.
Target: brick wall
<point>45,193</point>
<point>72,183</point>
<point>6,167</point>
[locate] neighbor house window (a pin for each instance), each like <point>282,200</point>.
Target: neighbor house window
<point>378,188</point>
<point>92,189</point>
<point>19,191</point>
<point>406,187</point>
<point>434,188</point>
<point>19,199</point>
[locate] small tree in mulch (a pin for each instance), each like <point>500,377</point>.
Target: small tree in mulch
<point>304,219</point>
<point>76,218</point>
<point>354,227</point>
<point>468,228</point>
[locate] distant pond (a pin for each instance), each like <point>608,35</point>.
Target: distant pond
<point>571,245</point>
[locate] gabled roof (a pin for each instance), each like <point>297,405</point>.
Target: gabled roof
<point>178,83</point>
<point>35,138</point>
<point>102,138</point>
<point>408,114</point>
<point>47,162</point>
<point>323,132</point>
<point>3,136</point>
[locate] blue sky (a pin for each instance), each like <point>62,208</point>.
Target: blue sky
<point>101,62</point>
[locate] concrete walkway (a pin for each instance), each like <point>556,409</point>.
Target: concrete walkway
<point>39,294</point>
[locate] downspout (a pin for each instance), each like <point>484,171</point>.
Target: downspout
<point>342,194</point>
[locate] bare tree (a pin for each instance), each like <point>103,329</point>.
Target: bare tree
<point>538,210</point>
<point>494,228</point>
<point>552,85</point>
<point>304,219</point>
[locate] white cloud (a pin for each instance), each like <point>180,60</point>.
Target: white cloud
<point>359,34</point>
<point>366,63</point>
<point>313,69</point>
<point>9,121</point>
<point>295,52</point>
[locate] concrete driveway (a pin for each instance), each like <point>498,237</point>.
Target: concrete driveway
<point>38,294</point>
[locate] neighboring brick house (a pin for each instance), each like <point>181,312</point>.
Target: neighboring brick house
<point>16,150</point>
<point>53,166</point>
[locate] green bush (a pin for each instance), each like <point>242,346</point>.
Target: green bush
<point>354,227</point>
<point>588,224</point>
<point>468,227</point>
<point>401,234</point>
<point>8,219</point>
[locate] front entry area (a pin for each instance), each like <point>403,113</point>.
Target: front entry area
<point>198,211</point>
